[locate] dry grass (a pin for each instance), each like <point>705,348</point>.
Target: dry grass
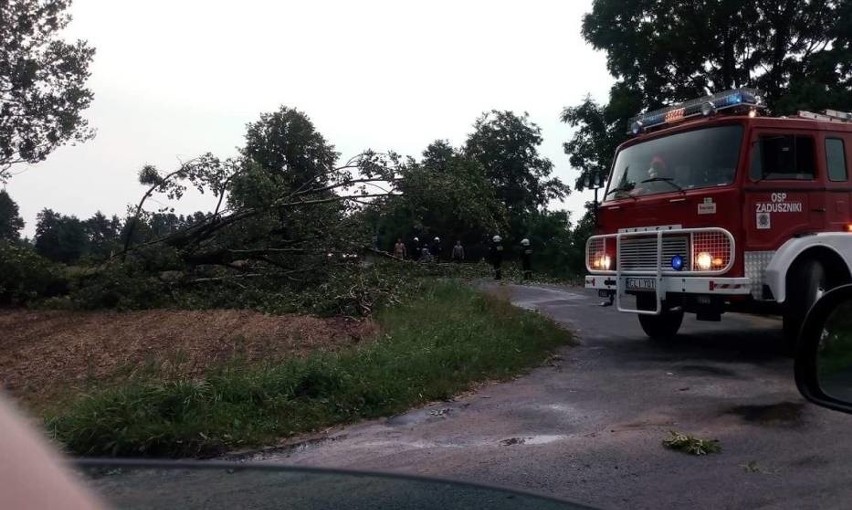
<point>46,355</point>
<point>430,348</point>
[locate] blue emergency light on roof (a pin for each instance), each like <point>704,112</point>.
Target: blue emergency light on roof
<point>734,100</point>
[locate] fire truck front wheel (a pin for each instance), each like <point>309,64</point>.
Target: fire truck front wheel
<point>806,284</point>
<point>658,327</point>
<point>661,327</point>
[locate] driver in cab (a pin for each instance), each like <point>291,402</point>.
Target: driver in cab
<point>658,179</point>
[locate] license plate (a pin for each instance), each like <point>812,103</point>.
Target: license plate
<point>605,293</point>
<point>647,284</point>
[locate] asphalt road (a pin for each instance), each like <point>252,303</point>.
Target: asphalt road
<point>588,425</point>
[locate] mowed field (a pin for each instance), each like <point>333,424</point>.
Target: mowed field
<point>47,357</point>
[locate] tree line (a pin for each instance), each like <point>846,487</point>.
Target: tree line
<point>287,209</point>
<point>70,240</point>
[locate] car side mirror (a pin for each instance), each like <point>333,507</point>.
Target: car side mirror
<point>824,351</point>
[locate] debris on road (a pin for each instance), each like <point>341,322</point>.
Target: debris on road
<point>754,467</point>
<point>690,444</point>
<point>751,467</point>
<point>512,441</point>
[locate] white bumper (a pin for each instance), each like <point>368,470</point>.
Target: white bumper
<point>677,285</point>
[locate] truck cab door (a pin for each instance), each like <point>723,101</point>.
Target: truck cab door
<point>784,196</point>
<point>837,151</point>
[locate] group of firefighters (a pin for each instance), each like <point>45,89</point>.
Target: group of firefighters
<point>425,251</point>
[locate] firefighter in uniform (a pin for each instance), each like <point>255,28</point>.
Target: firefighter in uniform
<point>495,253</point>
<point>436,248</point>
<point>425,251</point>
<point>526,258</point>
<point>415,249</point>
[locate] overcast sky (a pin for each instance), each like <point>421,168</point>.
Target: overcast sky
<point>173,79</point>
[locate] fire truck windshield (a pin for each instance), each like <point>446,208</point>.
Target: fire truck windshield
<point>682,161</point>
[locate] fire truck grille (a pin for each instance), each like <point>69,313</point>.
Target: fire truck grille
<point>640,253</point>
<point>701,250</point>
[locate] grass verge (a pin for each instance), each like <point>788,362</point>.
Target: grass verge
<point>432,347</point>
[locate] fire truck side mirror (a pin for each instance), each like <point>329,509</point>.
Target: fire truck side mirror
<point>824,351</point>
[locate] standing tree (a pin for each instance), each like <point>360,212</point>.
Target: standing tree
<point>286,147</point>
<point>10,222</point>
<point>439,155</point>
<point>42,82</point>
<point>506,146</point>
<point>103,235</point>
<point>60,238</point>
<point>447,195</point>
<point>799,52</point>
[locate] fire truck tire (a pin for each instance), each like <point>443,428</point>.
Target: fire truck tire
<point>807,283</point>
<point>661,327</point>
<point>658,327</point>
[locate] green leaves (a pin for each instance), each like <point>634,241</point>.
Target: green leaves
<point>451,196</point>
<point>690,444</point>
<point>60,238</point>
<point>10,222</point>
<point>286,144</point>
<point>591,149</point>
<point>42,82</point>
<point>25,276</point>
<point>665,51</point>
<point>506,145</point>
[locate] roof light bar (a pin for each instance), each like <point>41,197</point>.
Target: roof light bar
<point>704,106</point>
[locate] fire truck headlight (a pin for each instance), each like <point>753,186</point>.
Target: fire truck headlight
<point>602,261</point>
<point>704,261</point>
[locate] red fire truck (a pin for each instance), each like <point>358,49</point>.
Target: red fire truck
<point>713,206</point>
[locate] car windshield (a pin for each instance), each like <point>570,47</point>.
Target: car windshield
<point>694,159</point>
<point>370,235</point>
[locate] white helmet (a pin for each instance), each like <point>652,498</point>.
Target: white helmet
<point>525,242</point>
<point>496,239</point>
<point>416,239</point>
<point>438,239</point>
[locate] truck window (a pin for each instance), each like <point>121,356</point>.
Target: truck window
<point>693,159</point>
<point>782,157</point>
<point>835,159</point>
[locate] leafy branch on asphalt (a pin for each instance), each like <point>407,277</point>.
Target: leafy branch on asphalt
<point>691,444</point>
